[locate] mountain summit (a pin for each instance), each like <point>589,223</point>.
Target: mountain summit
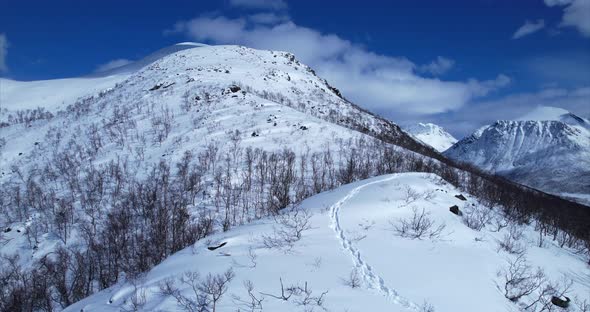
<point>432,135</point>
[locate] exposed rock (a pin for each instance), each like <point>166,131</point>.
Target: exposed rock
<point>216,247</point>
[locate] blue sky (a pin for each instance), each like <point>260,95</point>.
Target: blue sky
<point>440,61</point>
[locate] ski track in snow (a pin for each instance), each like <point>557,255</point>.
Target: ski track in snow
<point>372,280</point>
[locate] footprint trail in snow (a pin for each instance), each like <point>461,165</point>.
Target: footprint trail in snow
<point>372,280</point>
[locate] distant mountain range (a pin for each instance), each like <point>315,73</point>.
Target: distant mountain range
<point>548,149</point>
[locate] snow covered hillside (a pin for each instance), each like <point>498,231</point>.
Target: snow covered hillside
<point>432,135</point>
<point>352,257</point>
<point>548,149</point>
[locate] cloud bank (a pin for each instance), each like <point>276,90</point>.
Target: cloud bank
<point>379,82</point>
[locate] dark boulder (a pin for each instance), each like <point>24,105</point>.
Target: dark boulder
<point>215,247</point>
<point>560,302</point>
<point>234,89</point>
<point>156,87</point>
<point>455,209</point>
<point>7,230</point>
<point>461,197</point>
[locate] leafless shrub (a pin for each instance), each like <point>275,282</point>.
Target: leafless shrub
<point>583,305</point>
<point>542,300</point>
<point>302,296</point>
<point>511,241</point>
<point>186,303</point>
<point>478,217</point>
<point>426,307</point>
<point>353,280</point>
<point>498,222</point>
<point>215,286</point>
<point>291,226</point>
<point>418,226</point>
<point>136,301</point>
<point>254,303</point>
<point>409,196</point>
<point>519,278</point>
<point>252,256</point>
<point>205,293</point>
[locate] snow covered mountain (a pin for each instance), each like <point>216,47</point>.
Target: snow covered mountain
<point>432,135</point>
<point>548,149</point>
<point>185,101</point>
<point>210,102</point>
<point>103,190</point>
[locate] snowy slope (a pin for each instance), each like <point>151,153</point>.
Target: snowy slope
<point>195,92</point>
<point>548,149</point>
<point>351,230</point>
<point>432,135</point>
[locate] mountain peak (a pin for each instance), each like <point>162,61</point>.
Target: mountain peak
<point>433,135</point>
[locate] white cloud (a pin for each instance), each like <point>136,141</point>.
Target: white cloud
<point>528,28</point>
<point>576,14</point>
<point>438,67</point>
<point>3,52</point>
<point>379,82</point>
<point>260,4</point>
<point>112,65</point>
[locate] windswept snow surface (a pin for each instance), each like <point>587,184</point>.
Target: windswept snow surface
<point>351,230</point>
<point>548,149</point>
<point>432,135</point>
